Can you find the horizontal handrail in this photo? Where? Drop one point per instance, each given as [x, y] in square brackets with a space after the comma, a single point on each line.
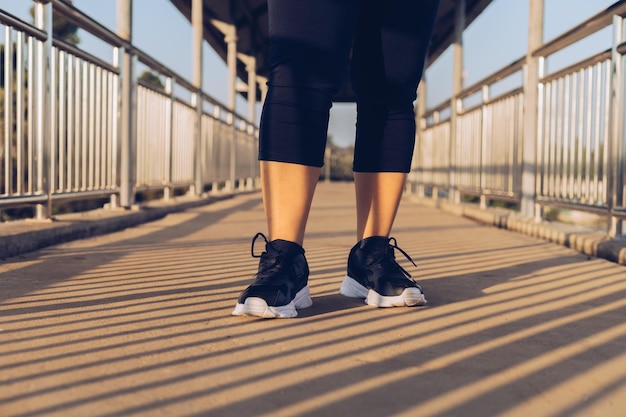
[438, 108]
[498, 75]
[510, 69]
[154, 64]
[85, 22]
[506, 95]
[492, 100]
[64, 46]
[602, 56]
[583, 30]
[17, 23]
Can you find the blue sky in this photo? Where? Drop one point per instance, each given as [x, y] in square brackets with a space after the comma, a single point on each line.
[495, 39]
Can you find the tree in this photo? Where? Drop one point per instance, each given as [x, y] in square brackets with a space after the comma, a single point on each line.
[152, 79]
[61, 27]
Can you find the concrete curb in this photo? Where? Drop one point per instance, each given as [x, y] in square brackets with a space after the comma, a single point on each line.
[588, 241]
[24, 236]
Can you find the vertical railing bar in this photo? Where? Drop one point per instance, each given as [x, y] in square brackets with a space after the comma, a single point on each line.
[71, 103]
[580, 134]
[566, 139]
[507, 184]
[52, 123]
[32, 90]
[140, 133]
[606, 134]
[586, 184]
[169, 126]
[573, 163]
[85, 127]
[92, 128]
[104, 125]
[111, 131]
[62, 120]
[97, 129]
[558, 139]
[151, 171]
[550, 142]
[519, 145]
[115, 127]
[8, 109]
[78, 124]
[540, 138]
[596, 135]
[19, 113]
[545, 130]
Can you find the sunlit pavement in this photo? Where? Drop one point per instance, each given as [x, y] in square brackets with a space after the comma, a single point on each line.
[138, 323]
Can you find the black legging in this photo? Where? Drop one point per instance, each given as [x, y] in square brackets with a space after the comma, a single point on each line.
[310, 43]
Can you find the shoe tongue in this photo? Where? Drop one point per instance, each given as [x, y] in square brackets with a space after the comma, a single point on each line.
[375, 244]
[285, 247]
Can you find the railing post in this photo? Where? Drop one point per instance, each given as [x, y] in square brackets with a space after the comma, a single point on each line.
[250, 62]
[457, 86]
[231, 41]
[127, 108]
[230, 37]
[169, 136]
[418, 154]
[529, 207]
[44, 137]
[263, 87]
[483, 147]
[616, 150]
[197, 23]
[217, 114]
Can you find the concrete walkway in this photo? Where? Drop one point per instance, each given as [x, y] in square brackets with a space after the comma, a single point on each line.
[138, 323]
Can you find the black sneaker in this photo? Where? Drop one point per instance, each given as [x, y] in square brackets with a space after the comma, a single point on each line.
[280, 285]
[375, 276]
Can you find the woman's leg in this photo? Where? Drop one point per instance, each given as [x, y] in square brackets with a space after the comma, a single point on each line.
[310, 42]
[287, 194]
[309, 48]
[390, 47]
[389, 52]
[377, 199]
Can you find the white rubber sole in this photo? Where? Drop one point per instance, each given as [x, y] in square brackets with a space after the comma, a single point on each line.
[257, 307]
[410, 296]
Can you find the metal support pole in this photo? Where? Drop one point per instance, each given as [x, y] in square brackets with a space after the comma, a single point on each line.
[457, 86]
[250, 63]
[127, 109]
[420, 125]
[230, 37]
[263, 87]
[484, 169]
[616, 150]
[169, 136]
[197, 23]
[43, 21]
[231, 41]
[529, 207]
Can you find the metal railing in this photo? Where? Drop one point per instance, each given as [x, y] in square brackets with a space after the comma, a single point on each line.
[61, 127]
[580, 137]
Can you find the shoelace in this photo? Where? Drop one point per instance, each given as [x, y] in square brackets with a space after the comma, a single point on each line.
[389, 260]
[254, 239]
[268, 262]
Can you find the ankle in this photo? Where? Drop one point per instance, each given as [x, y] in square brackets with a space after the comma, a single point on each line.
[286, 247]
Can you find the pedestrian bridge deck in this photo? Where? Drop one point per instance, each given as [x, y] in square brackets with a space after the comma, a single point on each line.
[138, 323]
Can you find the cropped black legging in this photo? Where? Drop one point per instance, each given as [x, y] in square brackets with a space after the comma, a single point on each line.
[310, 44]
